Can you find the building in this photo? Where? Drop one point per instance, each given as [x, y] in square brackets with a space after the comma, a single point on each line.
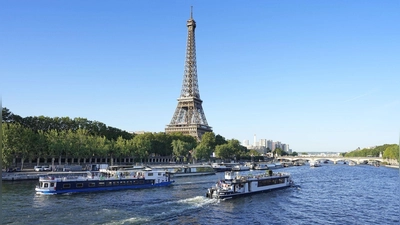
[189, 117]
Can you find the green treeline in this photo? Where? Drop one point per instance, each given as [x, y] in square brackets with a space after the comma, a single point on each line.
[61, 137]
[389, 151]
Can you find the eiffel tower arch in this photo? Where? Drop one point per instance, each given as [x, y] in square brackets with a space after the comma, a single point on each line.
[189, 117]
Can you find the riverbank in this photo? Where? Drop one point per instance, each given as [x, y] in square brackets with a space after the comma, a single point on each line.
[23, 175]
[393, 166]
[30, 174]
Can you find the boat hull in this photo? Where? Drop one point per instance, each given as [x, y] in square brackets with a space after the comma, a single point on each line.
[99, 189]
[62, 183]
[237, 195]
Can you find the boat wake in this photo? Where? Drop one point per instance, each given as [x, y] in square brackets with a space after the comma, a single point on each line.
[165, 210]
[296, 186]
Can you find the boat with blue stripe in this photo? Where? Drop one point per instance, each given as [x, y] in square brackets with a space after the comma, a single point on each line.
[108, 180]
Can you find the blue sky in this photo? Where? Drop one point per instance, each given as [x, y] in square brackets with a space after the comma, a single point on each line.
[317, 75]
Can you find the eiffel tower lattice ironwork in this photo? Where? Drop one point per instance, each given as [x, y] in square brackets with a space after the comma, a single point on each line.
[189, 117]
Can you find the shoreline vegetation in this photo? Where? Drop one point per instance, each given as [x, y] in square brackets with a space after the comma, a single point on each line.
[61, 140]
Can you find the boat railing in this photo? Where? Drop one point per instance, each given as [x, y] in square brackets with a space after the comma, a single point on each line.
[66, 178]
[257, 176]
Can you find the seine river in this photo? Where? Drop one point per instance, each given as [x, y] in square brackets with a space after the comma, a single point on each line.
[330, 194]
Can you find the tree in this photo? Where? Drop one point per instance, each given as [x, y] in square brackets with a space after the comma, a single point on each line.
[101, 146]
[391, 152]
[17, 143]
[8, 143]
[202, 151]
[55, 145]
[236, 148]
[7, 116]
[219, 140]
[162, 144]
[179, 148]
[279, 152]
[40, 146]
[208, 140]
[81, 137]
[223, 151]
[142, 146]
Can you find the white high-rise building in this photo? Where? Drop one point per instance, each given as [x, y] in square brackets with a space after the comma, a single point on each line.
[263, 142]
[255, 140]
[285, 147]
[246, 143]
[278, 144]
[269, 144]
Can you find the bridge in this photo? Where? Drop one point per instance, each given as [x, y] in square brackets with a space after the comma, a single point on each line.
[334, 159]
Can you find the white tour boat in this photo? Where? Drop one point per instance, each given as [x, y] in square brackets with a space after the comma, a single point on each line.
[186, 170]
[235, 185]
[222, 167]
[261, 167]
[241, 168]
[315, 163]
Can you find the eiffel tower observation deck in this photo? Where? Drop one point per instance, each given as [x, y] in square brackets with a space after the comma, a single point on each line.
[189, 117]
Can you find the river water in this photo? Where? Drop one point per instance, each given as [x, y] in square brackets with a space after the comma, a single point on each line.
[330, 194]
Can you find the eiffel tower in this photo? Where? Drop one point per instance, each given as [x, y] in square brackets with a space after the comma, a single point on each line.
[189, 117]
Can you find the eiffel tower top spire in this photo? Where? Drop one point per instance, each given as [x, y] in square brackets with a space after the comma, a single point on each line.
[190, 87]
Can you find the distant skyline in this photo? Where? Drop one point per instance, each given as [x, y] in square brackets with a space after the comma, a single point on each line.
[322, 76]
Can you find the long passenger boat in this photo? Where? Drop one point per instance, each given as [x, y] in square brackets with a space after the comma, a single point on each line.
[235, 185]
[222, 167]
[186, 170]
[91, 181]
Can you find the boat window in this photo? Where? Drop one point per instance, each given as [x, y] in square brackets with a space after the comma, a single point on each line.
[92, 184]
[51, 184]
[101, 183]
[46, 185]
[116, 183]
[66, 185]
[159, 174]
[109, 183]
[141, 182]
[150, 174]
[79, 185]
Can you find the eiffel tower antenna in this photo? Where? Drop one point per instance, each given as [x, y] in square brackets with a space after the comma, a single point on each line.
[189, 117]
